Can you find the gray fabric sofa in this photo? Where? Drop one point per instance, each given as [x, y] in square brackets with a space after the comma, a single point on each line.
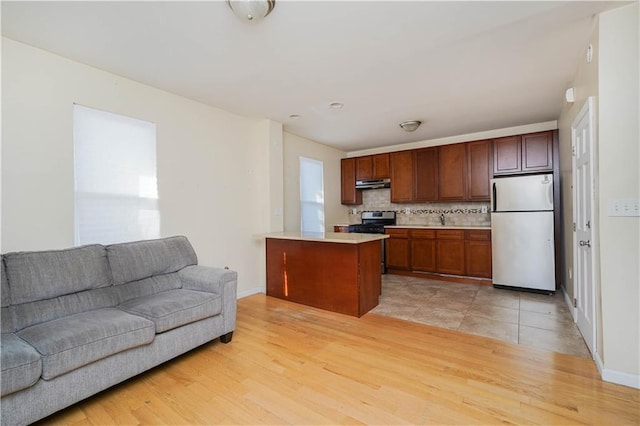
[77, 321]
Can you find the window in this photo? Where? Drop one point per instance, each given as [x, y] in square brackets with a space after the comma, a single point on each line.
[116, 195]
[311, 195]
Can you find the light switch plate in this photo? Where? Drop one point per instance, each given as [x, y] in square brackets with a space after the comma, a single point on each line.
[624, 207]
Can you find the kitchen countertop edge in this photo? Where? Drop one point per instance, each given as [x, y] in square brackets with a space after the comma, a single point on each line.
[328, 237]
[479, 228]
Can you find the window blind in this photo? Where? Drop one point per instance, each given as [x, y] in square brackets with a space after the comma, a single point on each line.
[116, 195]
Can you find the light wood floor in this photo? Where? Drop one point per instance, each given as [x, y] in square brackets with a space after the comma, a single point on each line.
[290, 364]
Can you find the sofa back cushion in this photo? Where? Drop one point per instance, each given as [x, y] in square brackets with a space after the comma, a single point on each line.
[142, 259]
[6, 317]
[41, 275]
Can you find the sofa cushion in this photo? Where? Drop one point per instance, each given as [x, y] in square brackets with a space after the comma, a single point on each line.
[47, 274]
[143, 259]
[147, 287]
[21, 364]
[71, 342]
[173, 308]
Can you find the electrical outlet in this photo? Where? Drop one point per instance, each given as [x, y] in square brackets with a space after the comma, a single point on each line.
[407, 210]
[624, 207]
[483, 209]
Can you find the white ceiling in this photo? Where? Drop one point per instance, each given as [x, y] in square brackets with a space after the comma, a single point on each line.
[460, 67]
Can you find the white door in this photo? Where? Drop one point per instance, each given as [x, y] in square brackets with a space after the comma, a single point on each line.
[582, 131]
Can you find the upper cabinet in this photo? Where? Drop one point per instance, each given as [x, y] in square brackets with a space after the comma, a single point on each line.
[349, 194]
[464, 171]
[478, 170]
[452, 176]
[372, 167]
[528, 153]
[426, 174]
[402, 176]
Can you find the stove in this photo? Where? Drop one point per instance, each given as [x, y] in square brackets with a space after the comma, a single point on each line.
[373, 223]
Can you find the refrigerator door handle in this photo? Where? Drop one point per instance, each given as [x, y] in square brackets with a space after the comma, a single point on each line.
[494, 198]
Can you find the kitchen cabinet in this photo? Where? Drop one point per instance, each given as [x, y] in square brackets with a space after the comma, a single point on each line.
[461, 252]
[426, 174]
[397, 249]
[349, 194]
[477, 253]
[530, 153]
[423, 250]
[402, 176]
[372, 167]
[452, 164]
[478, 171]
[450, 252]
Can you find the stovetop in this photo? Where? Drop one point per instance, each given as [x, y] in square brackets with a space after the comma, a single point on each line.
[373, 222]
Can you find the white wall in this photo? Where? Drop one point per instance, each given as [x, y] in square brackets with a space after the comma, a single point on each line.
[213, 181]
[294, 148]
[619, 156]
[585, 84]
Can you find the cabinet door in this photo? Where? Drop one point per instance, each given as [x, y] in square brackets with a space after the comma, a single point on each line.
[402, 173]
[397, 248]
[381, 166]
[426, 170]
[450, 251]
[423, 250]
[364, 167]
[478, 170]
[507, 155]
[452, 172]
[477, 256]
[349, 194]
[537, 152]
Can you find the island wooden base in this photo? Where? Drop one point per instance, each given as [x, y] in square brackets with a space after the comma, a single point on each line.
[338, 277]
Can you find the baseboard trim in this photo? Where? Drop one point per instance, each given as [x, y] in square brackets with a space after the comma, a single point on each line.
[572, 309]
[250, 292]
[617, 377]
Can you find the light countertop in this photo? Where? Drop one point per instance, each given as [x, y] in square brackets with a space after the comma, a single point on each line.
[484, 228]
[328, 237]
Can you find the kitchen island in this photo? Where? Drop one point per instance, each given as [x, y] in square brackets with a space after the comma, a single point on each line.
[338, 272]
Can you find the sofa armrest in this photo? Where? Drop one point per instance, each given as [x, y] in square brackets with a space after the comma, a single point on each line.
[214, 280]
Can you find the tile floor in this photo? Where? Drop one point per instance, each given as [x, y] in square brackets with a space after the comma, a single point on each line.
[531, 319]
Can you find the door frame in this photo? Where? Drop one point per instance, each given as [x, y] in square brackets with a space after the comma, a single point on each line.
[589, 108]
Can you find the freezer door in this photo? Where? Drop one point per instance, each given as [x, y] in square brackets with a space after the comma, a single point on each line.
[522, 193]
[523, 250]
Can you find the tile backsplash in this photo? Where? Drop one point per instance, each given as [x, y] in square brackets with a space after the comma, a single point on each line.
[456, 214]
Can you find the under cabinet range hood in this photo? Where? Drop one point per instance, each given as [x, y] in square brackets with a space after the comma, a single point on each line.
[373, 184]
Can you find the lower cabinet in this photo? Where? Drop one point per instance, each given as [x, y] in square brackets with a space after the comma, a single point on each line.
[397, 253]
[450, 252]
[443, 251]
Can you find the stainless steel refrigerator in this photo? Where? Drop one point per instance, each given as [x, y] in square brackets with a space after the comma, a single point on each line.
[522, 234]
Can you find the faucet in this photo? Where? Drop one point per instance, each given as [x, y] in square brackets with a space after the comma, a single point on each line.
[441, 218]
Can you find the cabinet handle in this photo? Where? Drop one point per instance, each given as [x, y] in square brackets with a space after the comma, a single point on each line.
[585, 243]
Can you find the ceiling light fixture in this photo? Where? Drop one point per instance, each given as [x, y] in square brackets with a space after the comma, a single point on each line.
[295, 116]
[336, 105]
[410, 125]
[251, 10]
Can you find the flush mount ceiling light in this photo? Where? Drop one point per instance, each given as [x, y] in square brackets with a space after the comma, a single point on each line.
[410, 125]
[336, 105]
[295, 116]
[251, 10]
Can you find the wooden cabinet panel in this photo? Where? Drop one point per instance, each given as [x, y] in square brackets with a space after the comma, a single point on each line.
[528, 153]
[364, 167]
[452, 177]
[397, 254]
[450, 234]
[478, 258]
[537, 152]
[349, 194]
[402, 173]
[426, 171]
[423, 250]
[381, 167]
[478, 170]
[478, 235]
[450, 256]
[507, 155]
